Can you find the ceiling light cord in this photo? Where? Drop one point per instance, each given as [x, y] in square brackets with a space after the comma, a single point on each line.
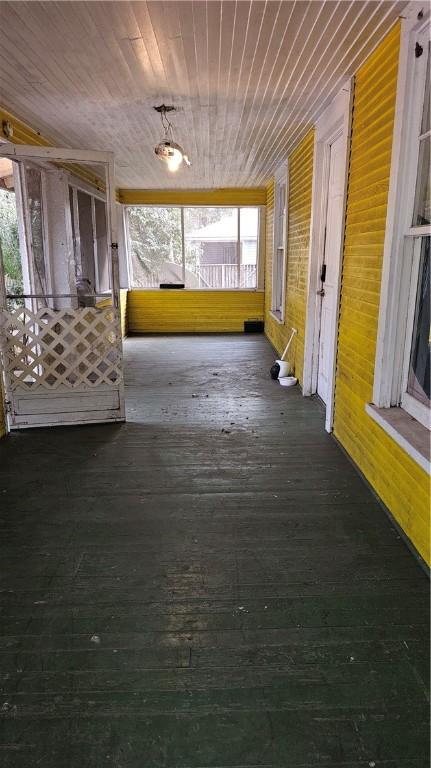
[168, 150]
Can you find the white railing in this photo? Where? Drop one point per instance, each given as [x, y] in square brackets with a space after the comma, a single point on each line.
[219, 276]
[226, 276]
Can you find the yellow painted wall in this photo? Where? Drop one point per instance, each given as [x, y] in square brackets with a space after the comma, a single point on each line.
[123, 308]
[181, 311]
[401, 484]
[226, 196]
[298, 243]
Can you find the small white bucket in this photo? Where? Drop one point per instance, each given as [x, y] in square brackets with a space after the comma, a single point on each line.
[284, 368]
[287, 381]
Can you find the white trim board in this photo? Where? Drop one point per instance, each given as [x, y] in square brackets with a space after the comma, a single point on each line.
[408, 433]
[397, 263]
[335, 122]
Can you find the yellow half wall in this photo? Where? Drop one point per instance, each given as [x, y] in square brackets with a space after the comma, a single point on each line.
[399, 481]
[226, 196]
[182, 311]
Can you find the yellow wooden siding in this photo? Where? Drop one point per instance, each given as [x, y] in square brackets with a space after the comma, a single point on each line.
[298, 244]
[123, 310]
[227, 196]
[399, 481]
[178, 311]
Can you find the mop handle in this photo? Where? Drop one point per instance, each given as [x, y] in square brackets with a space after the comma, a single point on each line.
[288, 343]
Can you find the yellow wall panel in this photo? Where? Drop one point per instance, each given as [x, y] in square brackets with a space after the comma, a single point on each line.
[298, 244]
[123, 310]
[180, 311]
[227, 196]
[399, 481]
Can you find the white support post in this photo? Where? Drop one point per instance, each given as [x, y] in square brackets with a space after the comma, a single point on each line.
[238, 247]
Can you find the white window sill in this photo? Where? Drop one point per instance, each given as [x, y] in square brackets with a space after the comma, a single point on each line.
[277, 316]
[410, 435]
[200, 290]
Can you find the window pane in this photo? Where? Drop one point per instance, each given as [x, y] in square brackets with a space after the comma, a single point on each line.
[9, 241]
[34, 199]
[418, 384]
[249, 233]
[278, 279]
[155, 246]
[211, 247]
[102, 247]
[426, 111]
[422, 197]
[422, 211]
[280, 212]
[85, 268]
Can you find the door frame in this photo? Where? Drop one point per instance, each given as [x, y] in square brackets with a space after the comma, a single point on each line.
[335, 122]
[60, 156]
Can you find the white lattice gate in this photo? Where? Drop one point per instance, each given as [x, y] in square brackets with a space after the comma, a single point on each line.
[61, 353]
[62, 366]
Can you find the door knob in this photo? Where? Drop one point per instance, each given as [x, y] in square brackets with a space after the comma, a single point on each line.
[321, 292]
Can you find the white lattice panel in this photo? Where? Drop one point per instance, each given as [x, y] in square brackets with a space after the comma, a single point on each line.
[70, 347]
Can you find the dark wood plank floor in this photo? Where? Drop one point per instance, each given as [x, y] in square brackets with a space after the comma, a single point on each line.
[210, 585]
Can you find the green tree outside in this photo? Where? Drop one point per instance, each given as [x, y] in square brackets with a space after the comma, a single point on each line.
[9, 242]
[155, 239]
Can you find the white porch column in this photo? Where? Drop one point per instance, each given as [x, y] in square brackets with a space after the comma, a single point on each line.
[60, 256]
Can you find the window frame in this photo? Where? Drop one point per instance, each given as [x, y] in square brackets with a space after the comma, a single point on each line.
[260, 243]
[94, 194]
[400, 267]
[279, 273]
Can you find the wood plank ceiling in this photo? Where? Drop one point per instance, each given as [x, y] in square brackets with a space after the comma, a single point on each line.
[249, 78]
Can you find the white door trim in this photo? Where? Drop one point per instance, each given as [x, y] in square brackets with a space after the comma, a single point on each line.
[335, 122]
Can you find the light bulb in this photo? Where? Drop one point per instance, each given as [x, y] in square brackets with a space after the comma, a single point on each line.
[174, 162]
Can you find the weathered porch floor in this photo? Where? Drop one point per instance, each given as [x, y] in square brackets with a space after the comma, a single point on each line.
[179, 596]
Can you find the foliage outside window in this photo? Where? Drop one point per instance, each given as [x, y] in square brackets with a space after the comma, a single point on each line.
[9, 242]
[213, 248]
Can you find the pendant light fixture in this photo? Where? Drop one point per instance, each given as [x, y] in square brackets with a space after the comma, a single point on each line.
[168, 150]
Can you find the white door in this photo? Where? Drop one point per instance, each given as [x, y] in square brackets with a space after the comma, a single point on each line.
[60, 340]
[330, 265]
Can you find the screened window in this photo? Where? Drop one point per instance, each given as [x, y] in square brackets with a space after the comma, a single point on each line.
[155, 241]
[89, 233]
[402, 370]
[279, 255]
[200, 247]
[418, 374]
[33, 180]
[9, 239]
[415, 397]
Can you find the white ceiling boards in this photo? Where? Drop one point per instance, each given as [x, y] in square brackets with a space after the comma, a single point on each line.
[248, 78]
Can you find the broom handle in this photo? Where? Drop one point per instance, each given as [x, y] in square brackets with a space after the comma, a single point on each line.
[288, 343]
